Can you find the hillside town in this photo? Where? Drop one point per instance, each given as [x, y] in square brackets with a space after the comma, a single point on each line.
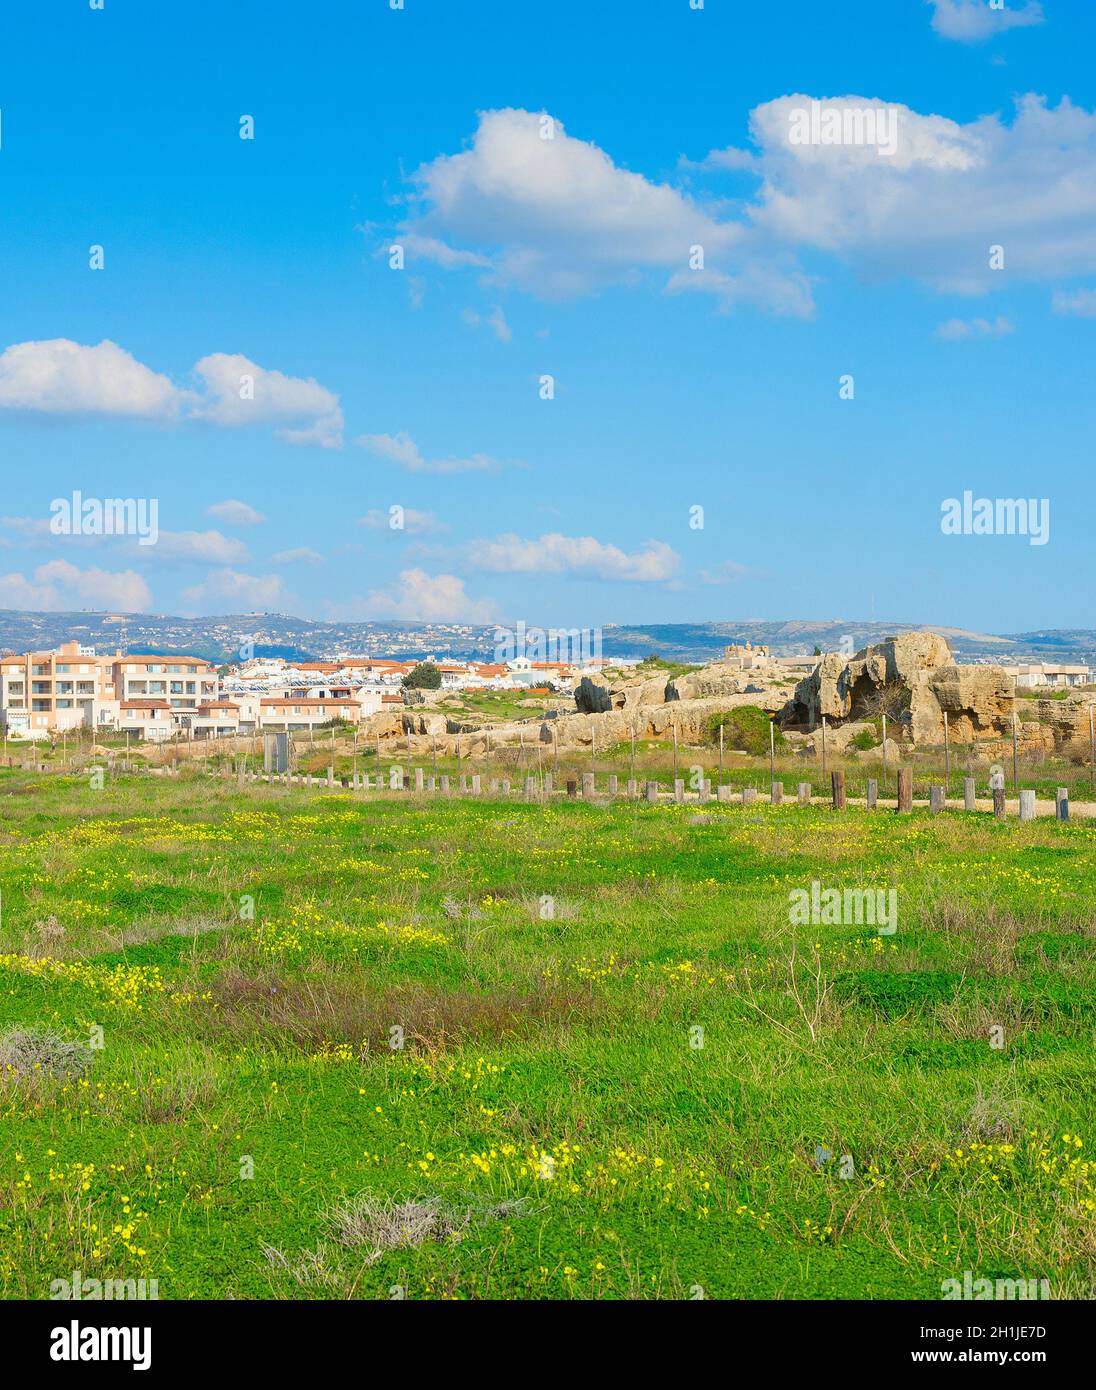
[158, 697]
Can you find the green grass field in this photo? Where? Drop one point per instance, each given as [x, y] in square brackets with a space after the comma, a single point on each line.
[624, 1071]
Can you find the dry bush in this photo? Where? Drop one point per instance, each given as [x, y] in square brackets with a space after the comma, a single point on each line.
[992, 1119]
[387, 1224]
[28, 1052]
[335, 1008]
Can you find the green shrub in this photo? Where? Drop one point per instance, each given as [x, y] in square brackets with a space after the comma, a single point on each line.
[425, 676]
[745, 728]
[864, 740]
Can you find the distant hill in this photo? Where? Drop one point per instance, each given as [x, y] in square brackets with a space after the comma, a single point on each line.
[223, 639]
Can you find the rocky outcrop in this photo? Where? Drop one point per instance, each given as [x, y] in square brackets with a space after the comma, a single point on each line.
[711, 681]
[913, 679]
[617, 692]
[978, 701]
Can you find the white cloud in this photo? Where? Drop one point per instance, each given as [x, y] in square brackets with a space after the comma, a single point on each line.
[955, 330]
[300, 555]
[580, 555]
[59, 586]
[949, 192]
[766, 286]
[972, 21]
[422, 597]
[236, 513]
[730, 159]
[1080, 303]
[401, 448]
[561, 216]
[228, 590]
[495, 320]
[197, 547]
[202, 547]
[726, 572]
[60, 377]
[238, 393]
[414, 522]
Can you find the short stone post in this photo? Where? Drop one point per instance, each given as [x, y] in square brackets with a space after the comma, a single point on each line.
[612, 784]
[445, 784]
[749, 796]
[587, 786]
[723, 791]
[804, 793]
[475, 784]
[633, 789]
[776, 795]
[905, 789]
[936, 799]
[873, 793]
[431, 784]
[705, 790]
[652, 791]
[1027, 805]
[679, 790]
[464, 781]
[968, 793]
[420, 781]
[572, 788]
[837, 782]
[547, 784]
[530, 788]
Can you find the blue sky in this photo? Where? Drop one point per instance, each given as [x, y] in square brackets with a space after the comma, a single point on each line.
[674, 388]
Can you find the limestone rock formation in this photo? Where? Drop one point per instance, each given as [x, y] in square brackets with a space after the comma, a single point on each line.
[913, 679]
[618, 692]
[716, 679]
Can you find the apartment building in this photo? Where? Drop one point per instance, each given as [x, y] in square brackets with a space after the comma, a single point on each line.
[297, 712]
[74, 687]
[1049, 673]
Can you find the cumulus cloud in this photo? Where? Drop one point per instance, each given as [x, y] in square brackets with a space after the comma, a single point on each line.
[229, 590]
[972, 21]
[554, 216]
[401, 449]
[578, 555]
[199, 547]
[422, 597]
[238, 393]
[59, 587]
[183, 547]
[558, 218]
[956, 330]
[414, 522]
[59, 377]
[948, 193]
[236, 513]
[1080, 303]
